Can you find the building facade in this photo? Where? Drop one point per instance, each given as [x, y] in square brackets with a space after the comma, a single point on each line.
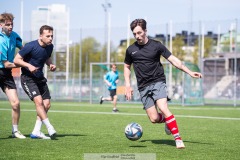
[55, 15]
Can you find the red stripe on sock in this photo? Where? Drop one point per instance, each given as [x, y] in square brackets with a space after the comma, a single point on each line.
[173, 127]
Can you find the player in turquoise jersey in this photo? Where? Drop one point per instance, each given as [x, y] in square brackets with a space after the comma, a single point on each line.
[9, 40]
[111, 79]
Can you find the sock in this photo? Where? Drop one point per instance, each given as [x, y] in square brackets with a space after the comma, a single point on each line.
[14, 128]
[161, 118]
[37, 126]
[47, 123]
[172, 125]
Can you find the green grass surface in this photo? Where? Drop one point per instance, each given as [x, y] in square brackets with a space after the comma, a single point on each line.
[208, 132]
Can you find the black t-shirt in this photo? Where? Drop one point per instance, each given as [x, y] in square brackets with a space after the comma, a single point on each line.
[36, 55]
[146, 62]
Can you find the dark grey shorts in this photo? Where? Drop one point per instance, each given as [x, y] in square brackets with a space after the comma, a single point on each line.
[152, 93]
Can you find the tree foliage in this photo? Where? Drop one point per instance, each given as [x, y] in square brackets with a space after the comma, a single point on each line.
[177, 50]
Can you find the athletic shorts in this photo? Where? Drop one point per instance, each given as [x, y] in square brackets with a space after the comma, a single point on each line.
[6, 79]
[150, 94]
[34, 87]
[113, 92]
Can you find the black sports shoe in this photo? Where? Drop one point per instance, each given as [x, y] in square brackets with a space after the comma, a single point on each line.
[115, 110]
[101, 100]
[52, 133]
[53, 136]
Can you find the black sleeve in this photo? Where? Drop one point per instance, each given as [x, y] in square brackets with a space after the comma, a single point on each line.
[128, 58]
[164, 51]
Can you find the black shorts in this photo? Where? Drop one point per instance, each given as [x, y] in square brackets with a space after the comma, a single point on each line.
[6, 79]
[113, 92]
[35, 87]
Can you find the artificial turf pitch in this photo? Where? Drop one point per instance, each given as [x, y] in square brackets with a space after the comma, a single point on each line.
[209, 132]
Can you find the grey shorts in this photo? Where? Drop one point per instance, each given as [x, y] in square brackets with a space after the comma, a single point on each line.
[152, 93]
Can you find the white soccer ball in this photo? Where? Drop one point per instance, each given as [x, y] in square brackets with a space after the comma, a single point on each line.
[133, 131]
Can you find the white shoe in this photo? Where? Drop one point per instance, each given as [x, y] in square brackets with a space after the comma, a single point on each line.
[179, 144]
[18, 134]
[39, 135]
[52, 133]
[167, 131]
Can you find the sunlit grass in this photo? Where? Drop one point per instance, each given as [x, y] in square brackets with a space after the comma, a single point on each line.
[93, 128]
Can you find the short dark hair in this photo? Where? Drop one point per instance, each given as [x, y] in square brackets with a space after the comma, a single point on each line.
[138, 22]
[45, 27]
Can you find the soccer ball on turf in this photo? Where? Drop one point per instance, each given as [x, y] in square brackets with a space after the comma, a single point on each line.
[133, 131]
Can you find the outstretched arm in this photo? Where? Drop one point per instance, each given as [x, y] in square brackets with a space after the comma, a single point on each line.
[177, 63]
[127, 73]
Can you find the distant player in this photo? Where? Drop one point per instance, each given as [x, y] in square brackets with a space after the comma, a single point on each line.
[9, 40]
[145, 55]
[111, 79]
[32, 58]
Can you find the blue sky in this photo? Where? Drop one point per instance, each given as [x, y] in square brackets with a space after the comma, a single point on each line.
[90, 13]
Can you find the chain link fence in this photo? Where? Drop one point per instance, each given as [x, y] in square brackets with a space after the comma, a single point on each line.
[71, 81]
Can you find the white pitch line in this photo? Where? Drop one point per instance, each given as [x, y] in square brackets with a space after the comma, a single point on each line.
[129, 114]
[140, 106]
[207, 117]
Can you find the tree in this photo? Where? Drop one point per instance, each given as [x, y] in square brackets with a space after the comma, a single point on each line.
[90, 53]
[208, 44]
[178, 44]
[122, 50]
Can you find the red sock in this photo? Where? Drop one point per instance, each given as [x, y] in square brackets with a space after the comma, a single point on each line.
[172, 125]
[161, 118]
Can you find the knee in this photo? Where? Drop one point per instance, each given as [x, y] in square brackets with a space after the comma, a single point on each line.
[47, 106]
[15, 105]
[38, 104]
[154, 119]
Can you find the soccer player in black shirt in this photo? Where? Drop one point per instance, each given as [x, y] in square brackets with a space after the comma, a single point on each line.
[32, 58]
[145, 55]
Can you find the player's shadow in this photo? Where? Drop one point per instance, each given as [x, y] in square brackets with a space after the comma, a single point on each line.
[58, 136]
[64, 135]
[172, 142]
[198, 142]
[70, 135]
[166, 142]
[138, 146]
[6, 138]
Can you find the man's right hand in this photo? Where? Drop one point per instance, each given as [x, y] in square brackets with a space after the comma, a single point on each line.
[128, 92]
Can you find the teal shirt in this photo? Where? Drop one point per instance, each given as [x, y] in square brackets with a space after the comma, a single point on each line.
[111, 77]
[8, 45]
